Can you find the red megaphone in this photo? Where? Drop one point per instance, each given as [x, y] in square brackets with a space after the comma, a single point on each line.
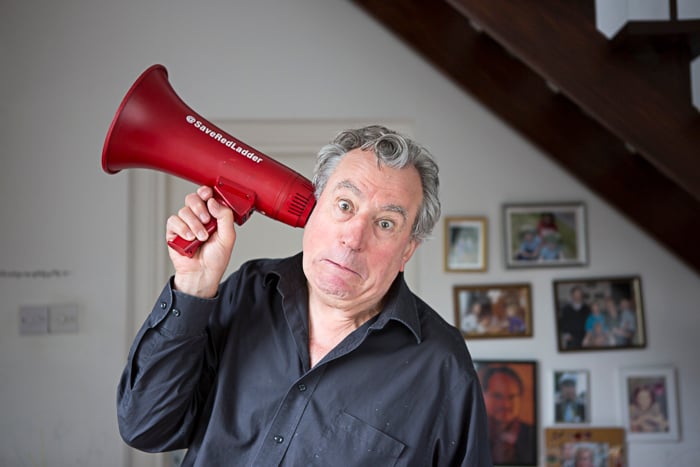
[154, 129]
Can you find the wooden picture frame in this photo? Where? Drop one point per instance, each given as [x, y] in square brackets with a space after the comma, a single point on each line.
[466, 244]
[571, 396]
[493, 311]
[545, 235]
[599, 313]
[510, 395]
[649, 403]
[599, 446]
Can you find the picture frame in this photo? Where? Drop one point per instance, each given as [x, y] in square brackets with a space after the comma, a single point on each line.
[493, 310]
[510, 395]
[571, 396]
[649, 403]
[599, 313]
[600, 446]
[466, 244]
[545, 235]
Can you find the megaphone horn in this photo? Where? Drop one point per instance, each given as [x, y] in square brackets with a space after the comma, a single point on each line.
[153, 128]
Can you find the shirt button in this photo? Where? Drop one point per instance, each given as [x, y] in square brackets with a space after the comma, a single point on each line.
[302, 387]
[176, 312]
[163, 305]
[278, 439]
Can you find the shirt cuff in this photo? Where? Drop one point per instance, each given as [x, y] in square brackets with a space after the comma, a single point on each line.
[181, 314]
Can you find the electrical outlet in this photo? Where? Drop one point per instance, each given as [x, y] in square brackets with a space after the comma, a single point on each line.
[63, 318]
[33, 319]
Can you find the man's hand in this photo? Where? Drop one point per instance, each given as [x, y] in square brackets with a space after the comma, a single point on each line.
[201, 274]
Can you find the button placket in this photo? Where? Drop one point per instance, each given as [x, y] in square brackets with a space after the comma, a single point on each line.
[288, 417]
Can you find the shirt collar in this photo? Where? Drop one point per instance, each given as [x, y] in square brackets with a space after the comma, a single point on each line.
[400, 304]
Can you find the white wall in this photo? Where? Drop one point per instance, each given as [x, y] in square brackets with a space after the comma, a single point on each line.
[64, 68]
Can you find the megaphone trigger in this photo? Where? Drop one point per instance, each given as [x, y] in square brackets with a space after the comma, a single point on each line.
[240, 199]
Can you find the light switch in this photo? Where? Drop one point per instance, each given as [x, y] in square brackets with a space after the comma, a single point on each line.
[33, 319]
[63, 318]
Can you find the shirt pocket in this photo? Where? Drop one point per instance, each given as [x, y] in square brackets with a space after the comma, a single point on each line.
[350, 441]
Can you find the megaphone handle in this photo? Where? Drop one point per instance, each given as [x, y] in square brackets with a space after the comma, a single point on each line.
[188, 248]
[238, 198]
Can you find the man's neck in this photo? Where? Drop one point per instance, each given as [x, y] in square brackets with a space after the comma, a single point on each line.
[328, 326]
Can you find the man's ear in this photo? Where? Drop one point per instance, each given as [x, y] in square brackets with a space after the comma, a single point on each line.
[408, 252]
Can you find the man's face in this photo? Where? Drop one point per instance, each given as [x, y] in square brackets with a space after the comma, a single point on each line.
[358, 237]
[584, 458]
[577, 295]
[502, 398]
[568, 391]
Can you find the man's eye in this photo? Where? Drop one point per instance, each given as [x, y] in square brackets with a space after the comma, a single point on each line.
[344, 206]
[385, 224]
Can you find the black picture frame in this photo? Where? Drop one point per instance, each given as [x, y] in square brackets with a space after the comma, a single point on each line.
[608, 313]
[510, 394]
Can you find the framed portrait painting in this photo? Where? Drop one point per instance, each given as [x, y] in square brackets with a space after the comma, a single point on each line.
[510, 395]
[649, 404]
[465, 244]
[571, 447]
[545, 235]
[497, 310]
[571, 396]
[602, 313]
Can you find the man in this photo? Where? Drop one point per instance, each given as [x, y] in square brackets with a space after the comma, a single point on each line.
[325, 358]
[512, 441]
[568, 408]
[572, 321]
[585, 457]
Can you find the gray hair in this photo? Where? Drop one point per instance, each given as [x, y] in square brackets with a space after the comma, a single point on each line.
[393, 150]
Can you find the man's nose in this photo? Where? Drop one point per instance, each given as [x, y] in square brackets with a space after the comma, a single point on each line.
[354, 232]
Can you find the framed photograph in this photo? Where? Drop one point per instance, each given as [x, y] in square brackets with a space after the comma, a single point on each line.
[499, 310]
[571, 447]
[599, 313]
[510, 394]
[465, 244]
[571, 396]
[649, 404]
[545, 235]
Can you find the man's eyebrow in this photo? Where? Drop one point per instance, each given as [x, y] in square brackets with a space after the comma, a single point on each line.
[397, 209]
[347, 184]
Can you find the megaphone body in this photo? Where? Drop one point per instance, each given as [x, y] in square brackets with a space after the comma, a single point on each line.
[154, 129]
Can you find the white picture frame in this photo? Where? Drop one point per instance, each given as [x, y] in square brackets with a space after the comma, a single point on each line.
[466, 244]
[649, 403]
[562, 382]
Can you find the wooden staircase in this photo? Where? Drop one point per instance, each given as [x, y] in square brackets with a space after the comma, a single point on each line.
[615, 113]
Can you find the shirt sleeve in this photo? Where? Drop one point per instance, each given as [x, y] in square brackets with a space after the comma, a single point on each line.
[168, 373]
[462, 433]
[478, 451]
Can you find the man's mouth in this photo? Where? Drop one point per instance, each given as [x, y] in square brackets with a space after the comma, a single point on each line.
[343, 267]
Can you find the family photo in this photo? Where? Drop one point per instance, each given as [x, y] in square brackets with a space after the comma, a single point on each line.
[546, 235]
[493, 310]
[585, 447]
[599, 314]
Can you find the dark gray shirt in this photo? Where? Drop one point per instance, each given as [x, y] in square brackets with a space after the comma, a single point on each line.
[229, 379]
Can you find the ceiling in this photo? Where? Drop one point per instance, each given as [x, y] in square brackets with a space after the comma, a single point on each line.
[616, 113]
